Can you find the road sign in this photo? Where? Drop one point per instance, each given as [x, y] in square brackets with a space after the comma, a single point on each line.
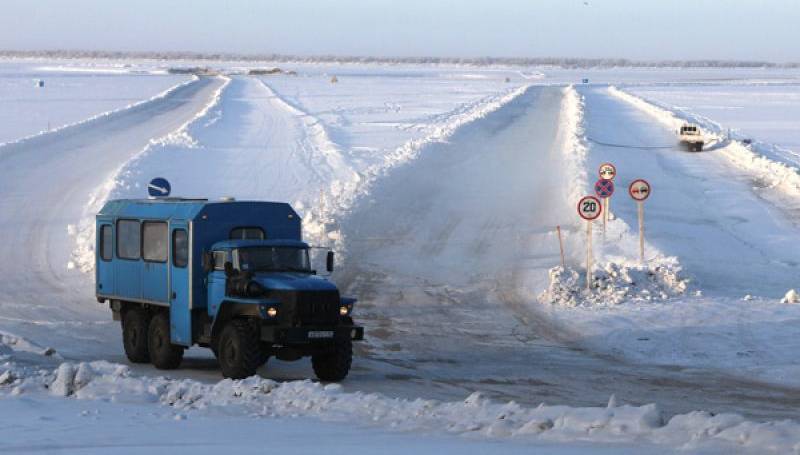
[639, 189]
[589, 208]
[604, 188]
[607, 171]
[158, 187]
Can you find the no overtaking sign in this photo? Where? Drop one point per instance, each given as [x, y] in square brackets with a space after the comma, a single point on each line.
[639, 189]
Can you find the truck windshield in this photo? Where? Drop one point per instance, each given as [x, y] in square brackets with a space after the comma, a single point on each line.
[273, 259]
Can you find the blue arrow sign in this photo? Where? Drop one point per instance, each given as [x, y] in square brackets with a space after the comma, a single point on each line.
[158, 187]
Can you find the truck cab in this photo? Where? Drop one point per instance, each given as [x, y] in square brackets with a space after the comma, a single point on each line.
[235, 277]
[691, 137]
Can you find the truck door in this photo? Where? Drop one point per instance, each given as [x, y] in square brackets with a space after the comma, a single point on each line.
[105, 259]
[154, 254]
[180, 284]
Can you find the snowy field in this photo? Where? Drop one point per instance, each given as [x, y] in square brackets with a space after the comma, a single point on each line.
[441, 187]
[67, 96]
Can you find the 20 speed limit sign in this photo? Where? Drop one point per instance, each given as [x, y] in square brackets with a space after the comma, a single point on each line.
[589, 208]
[607, 171]
[639, 190]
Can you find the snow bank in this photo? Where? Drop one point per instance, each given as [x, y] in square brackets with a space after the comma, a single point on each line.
[336, 203]
[763, 162]
[572, 135]
[614, 284]
[475, 416]
[84, 231]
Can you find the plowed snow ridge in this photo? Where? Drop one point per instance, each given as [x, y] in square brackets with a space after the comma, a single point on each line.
[474, 416]
[84, 232]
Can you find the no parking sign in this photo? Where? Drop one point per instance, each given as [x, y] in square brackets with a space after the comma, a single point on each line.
[604, 188]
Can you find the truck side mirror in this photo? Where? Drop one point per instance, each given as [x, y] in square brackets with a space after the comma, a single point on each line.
[228, 268]
[208, 261]
[329, 262]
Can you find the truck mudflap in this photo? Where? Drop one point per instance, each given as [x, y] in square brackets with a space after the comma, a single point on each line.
[307, 335]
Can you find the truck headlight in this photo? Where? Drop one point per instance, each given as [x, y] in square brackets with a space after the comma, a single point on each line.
[272, 311]
[344, 310]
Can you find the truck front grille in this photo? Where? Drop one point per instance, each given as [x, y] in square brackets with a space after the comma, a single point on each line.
[300, 308]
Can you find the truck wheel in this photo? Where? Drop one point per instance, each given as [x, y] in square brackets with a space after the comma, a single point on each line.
[239, 349]
[163, 354]
[333, 366]
[134, 335]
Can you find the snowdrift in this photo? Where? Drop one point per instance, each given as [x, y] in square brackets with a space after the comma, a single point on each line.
[475, 416]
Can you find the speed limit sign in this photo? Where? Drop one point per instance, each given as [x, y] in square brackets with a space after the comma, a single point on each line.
[607, 171]
[589, 208]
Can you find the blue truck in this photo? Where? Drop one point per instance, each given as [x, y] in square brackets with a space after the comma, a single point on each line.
[234, 276]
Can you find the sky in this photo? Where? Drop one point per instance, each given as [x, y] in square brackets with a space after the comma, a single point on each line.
[636, 29]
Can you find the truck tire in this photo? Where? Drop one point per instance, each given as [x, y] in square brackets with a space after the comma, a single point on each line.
[333, 366]
[135, 324]
[163, 354]
[239, 349]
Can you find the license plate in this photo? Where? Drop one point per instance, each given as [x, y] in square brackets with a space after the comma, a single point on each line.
[320, 334]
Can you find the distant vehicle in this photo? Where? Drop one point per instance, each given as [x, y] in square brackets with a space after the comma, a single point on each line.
[691, 137]
[585, 80]
[232, 276]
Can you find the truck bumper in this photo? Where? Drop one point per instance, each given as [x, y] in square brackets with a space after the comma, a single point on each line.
[309, 335]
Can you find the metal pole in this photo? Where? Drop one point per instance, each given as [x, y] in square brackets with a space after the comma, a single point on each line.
[561, 246]
[641, 230]
[589, 255]
[605, 216]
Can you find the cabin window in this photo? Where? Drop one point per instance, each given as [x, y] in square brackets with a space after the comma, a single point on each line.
[220, 257]
[154, 241]
[247, 233]
[129, 244]
[106, 247]
[180, 248]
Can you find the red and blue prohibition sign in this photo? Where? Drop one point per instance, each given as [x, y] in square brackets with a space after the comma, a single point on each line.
[604, 188]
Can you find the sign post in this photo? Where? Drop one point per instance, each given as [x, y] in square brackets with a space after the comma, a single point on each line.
[158, 187]
[589, 208]
[607, 171]
[639, 191]
[561, 247]
[604, 190]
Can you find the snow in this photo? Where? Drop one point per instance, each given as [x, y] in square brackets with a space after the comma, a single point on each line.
[83, 232]
[67, 98]
[444, 187]
[475, 417]
[750, 336]
[768, 112]
[250, 129]
[614, 284]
